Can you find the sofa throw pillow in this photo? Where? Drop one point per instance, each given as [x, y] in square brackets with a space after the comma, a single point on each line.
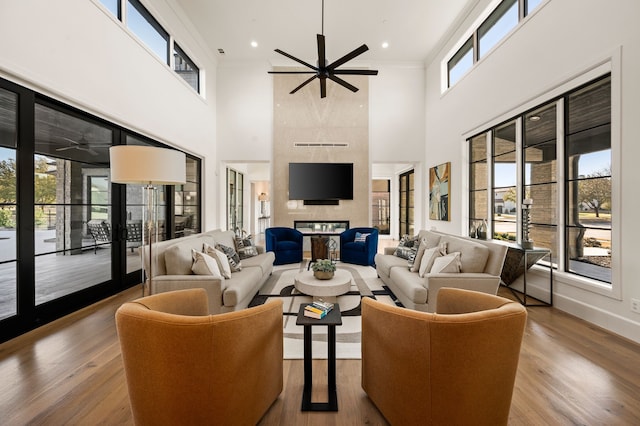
[414, 263]
[360, 238]
[203, 264]
[234, 258]
[220, 257]
[243, 241]
[428, 257]
[447, 264]
[406, 247]
[247, 252]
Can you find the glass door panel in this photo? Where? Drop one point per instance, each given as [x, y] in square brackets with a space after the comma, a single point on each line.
[72, 248]
[8, 204]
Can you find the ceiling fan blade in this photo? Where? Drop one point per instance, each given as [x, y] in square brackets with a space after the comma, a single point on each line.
[65, 148]
[355, 72]
[323, 87]
[296, 59]
[291, 72]
[322, 60]
[302, 85]
[343, 83]
[71, 140]
[349, 56]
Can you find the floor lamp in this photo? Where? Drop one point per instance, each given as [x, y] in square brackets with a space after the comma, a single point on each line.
[148, 166]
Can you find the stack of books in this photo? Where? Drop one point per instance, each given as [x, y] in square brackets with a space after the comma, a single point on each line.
[318, 310]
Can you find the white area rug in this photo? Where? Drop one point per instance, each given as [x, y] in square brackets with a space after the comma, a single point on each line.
[364, 283]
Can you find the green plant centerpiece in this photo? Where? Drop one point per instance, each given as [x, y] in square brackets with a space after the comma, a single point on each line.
[323, 269]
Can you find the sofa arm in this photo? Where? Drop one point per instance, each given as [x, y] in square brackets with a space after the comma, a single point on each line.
[214, 287]
[389, 250]
[484, 283]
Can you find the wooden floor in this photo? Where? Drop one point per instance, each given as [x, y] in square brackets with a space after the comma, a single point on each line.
[70, 372]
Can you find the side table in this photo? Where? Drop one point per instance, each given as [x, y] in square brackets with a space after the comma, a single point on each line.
[517, 263]
[331, 320]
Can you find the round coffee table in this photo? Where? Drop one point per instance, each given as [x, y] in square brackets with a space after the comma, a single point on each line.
[326, 290]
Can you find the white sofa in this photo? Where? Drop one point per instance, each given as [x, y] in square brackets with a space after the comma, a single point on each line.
[481, 265]
[172, 271]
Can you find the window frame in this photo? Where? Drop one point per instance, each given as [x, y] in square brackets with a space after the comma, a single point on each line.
[608, 65]
[180, 52]
[155, 25]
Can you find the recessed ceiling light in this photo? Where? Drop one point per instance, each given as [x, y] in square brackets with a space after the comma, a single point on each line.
[254, 43]
[385, 44]
[534, 118]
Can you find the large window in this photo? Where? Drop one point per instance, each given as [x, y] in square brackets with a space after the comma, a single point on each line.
[524, 165]
[74, 232]
[588, 184]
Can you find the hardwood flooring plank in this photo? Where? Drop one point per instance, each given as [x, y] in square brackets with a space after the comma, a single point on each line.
[70, 372]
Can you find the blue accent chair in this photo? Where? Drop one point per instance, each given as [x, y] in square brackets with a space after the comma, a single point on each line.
[359, 253]
[285, 243]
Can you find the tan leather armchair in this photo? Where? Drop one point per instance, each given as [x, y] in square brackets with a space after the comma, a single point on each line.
[453, 367]
[184, 366]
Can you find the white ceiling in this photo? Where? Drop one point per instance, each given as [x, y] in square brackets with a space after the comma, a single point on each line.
[413, 28]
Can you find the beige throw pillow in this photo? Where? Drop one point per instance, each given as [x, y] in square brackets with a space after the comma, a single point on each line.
[449, 264]
[428, 257]
[203, 264]
[221, 258]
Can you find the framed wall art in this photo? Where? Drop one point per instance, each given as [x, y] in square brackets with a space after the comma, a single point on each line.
[440, 192]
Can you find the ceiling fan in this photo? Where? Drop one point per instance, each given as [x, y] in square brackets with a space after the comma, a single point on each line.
[82, 144]
[326, 71]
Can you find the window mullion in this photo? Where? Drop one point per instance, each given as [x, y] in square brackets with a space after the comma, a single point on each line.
[476, 52]
[519, 178]
[490, 192]
[561, 185]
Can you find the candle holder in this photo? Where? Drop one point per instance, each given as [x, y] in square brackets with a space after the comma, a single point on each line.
[527, 243]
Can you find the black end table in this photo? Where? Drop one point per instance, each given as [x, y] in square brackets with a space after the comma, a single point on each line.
[331, 320]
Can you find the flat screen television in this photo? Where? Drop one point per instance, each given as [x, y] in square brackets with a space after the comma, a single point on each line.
[320, 181]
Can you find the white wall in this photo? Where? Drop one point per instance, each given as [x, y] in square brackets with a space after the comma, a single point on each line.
[396, 113]
[559, 44]
[78, 53]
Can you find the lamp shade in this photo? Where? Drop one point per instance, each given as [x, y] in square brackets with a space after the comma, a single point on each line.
[143, 165]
